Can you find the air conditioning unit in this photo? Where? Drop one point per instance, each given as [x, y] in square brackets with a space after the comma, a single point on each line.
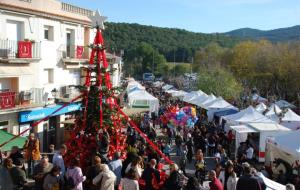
[25, 95]
[65, 90]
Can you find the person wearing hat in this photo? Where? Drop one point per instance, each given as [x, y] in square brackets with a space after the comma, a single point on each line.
[18, 175]
[31, 152]
[247, 181]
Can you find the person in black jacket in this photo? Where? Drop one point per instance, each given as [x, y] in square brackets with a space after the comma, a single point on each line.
[149, 173]
[173, 182]
[15, 154]
[247, 181]
[18, 175]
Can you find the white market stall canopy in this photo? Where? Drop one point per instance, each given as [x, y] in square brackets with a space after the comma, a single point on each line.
[285, 104]
[291, 120]
[290, 116]
[167, 87]
[247, 115]
[218, 104]
[268, 127]
[134, 85]
[192, 95]
[284, 146]
[177, 93]
[142, 99]
[243, 129]
[270, 184]
[261, 107]
[273, 112]
[198, 99]
[258, 99]
[207, 100]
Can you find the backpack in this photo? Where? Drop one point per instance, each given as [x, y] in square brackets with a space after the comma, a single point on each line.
[70, 184]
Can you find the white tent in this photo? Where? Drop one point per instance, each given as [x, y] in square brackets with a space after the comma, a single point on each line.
[158, 84]
[258, 99]
[246, 116]
[270, 184]
[167, 87]
[285, 104]
[284, 146]
[179, 94]
[291, 120]
[216, 105]
[142, 99]
[262, 130]
[192, 95]
[261, 107]
[134, 85]
[209, 99]
[273, 112]
[197, 99]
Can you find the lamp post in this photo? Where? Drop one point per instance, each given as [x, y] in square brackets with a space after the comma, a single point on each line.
[54, 93]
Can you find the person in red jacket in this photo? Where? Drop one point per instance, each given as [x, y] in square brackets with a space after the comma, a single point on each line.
[215, 183]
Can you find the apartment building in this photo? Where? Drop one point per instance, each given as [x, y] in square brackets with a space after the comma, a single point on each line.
[43, 46]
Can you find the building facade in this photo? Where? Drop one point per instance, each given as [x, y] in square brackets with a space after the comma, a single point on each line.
[43, 47]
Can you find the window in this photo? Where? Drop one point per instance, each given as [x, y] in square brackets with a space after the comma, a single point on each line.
[48, 76]
[48, 33]
[4, 125]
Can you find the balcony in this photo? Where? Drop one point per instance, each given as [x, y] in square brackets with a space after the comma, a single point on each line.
[11, 101]
[19, 51]
[74, 56]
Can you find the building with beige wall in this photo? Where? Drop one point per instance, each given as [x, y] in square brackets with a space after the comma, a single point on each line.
[57, 35]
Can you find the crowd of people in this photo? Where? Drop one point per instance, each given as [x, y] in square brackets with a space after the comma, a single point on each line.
[143, 168]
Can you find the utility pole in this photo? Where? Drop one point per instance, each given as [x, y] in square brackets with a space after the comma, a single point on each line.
[153, 62]
[174, 63]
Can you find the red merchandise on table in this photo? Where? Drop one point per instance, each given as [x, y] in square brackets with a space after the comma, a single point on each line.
[24, 49]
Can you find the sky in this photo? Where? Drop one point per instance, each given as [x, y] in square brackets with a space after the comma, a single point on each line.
[207, 16]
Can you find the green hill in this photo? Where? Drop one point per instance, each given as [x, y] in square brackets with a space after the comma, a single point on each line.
[276, 35]
[168, 41]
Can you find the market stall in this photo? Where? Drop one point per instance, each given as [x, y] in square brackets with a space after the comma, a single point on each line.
[256, 134]
[291, 120]
[142, 99]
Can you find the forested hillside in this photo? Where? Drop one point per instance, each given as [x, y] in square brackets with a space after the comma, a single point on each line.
[124, 36]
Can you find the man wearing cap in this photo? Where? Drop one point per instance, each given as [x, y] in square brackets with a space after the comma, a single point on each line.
[40, 170]
[247, 181]
[18, 175]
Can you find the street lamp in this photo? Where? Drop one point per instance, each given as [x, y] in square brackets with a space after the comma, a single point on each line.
[54, 93]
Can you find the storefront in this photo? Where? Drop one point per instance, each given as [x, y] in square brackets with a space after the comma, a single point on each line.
[49, 131]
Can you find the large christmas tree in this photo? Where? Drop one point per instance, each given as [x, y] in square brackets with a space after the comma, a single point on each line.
[98, 130]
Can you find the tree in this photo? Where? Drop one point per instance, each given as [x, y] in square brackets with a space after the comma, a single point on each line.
[220, 82]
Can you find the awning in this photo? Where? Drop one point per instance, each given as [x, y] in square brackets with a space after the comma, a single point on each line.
[5, 136]
[225, 112]
[243, 129]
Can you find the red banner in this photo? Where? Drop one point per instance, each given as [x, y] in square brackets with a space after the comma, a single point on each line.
[79, 52]
[24, 49]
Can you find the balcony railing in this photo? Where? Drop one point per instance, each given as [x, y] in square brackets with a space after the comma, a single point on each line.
[7, 100]
[74, 52]
[31, 98]
[10, 49]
